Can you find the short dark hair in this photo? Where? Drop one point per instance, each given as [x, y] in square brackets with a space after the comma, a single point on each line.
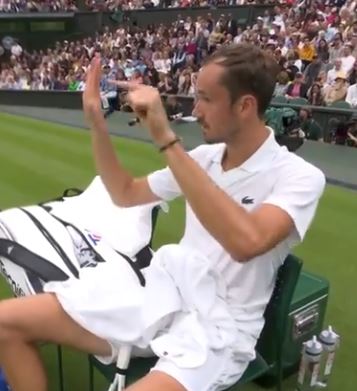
[248, 70]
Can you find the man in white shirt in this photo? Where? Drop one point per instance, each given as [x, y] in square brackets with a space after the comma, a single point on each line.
[351, 96]
[248, 203]
[331, 74]
[347, 59]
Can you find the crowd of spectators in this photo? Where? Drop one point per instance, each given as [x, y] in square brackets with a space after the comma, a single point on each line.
[314, 43]
[12, 6]
[112, 5]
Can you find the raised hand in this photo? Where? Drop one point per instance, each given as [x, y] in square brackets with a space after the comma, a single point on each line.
[91, 95]
[147, 105]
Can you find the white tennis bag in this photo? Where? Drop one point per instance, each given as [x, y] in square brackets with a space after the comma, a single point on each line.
[54, 240]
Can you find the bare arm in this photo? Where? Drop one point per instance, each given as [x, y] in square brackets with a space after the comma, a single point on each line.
[242, 234]
[124, 189]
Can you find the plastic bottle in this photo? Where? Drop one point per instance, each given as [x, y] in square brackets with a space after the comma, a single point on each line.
[308, 376]
[330, 342]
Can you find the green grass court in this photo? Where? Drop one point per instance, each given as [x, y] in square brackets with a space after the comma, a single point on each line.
[39, 159]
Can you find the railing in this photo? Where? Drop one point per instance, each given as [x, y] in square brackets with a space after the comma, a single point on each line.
[73, 100]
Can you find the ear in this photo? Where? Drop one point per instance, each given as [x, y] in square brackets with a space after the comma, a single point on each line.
[245, 105]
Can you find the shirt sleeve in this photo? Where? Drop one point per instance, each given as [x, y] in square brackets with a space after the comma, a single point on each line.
[163, 183]
[298, 193]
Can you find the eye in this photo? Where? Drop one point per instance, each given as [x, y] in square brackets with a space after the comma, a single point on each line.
[202, 98]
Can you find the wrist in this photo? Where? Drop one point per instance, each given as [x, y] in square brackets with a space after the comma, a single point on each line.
[165, 138]
[170, 144]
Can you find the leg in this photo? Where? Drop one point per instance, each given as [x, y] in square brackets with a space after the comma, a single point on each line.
[221, 370]
[158, 381]
[28, 320]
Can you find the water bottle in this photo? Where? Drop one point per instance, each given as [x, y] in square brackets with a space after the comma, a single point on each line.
[308, 376]
[330, 342]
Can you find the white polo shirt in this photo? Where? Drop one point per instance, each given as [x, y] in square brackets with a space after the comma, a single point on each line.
[272, 175]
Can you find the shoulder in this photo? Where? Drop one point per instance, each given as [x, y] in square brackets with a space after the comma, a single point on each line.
[292, 168]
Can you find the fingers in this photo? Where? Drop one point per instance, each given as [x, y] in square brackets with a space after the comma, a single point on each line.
[126, 85]
[93, 76]
[96, 71]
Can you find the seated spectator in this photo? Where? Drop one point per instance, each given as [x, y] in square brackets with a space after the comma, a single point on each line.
[315, 96]
[184, 86]
[323, 51]
[352, 75]
[351, 96]
[73, 83]
[347, 59]
[293, 65]
[282, 84]
[336, 48]
[166, 84]
[309, 126]
[161, 64]
[173, 107]
[108, 90]
[331, 74]
[306, 52]
[297, 89]
[338, 91]
[321, 80]
[312, 71]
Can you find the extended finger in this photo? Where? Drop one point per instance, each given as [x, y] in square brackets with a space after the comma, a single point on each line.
[138, 106]
[126, 85]
[96, 71]
[89, 78]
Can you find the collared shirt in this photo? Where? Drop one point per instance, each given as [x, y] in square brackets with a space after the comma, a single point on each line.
[105, 85]
[272, 175]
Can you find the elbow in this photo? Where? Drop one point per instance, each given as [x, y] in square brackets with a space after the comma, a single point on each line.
[121, 196]
[245, 249]
[121, 202]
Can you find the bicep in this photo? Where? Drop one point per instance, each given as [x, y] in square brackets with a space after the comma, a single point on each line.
[273, 224]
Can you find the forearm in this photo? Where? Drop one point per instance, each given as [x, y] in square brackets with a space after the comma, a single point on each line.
[230, 224]
[115, 178]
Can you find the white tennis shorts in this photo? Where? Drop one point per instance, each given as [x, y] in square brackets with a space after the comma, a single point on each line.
[202, 354]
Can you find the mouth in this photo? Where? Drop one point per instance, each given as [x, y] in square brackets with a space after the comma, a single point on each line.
[204, 126]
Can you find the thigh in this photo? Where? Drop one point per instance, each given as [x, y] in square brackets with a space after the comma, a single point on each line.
[158, 381]
[41, 318]
[219, 372]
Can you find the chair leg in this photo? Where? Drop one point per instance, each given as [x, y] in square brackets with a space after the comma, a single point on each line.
[91, 374]
[60, 368]
[279, 375]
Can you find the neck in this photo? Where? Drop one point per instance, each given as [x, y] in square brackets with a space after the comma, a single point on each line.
[244, 144]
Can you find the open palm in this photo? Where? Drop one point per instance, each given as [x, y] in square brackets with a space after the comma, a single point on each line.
[91, 95]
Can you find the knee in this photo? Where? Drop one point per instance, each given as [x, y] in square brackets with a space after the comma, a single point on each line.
[9, 329]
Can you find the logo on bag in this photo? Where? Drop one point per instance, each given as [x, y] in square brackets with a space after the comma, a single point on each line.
[95, 238]
[18, 291]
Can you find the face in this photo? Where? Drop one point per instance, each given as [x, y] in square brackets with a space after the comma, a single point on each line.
[303, 115]
[346, 51]
[221, 120]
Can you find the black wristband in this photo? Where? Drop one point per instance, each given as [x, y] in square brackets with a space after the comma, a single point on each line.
[170, 144]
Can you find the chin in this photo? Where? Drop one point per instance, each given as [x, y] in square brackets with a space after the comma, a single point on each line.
[212, 140]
